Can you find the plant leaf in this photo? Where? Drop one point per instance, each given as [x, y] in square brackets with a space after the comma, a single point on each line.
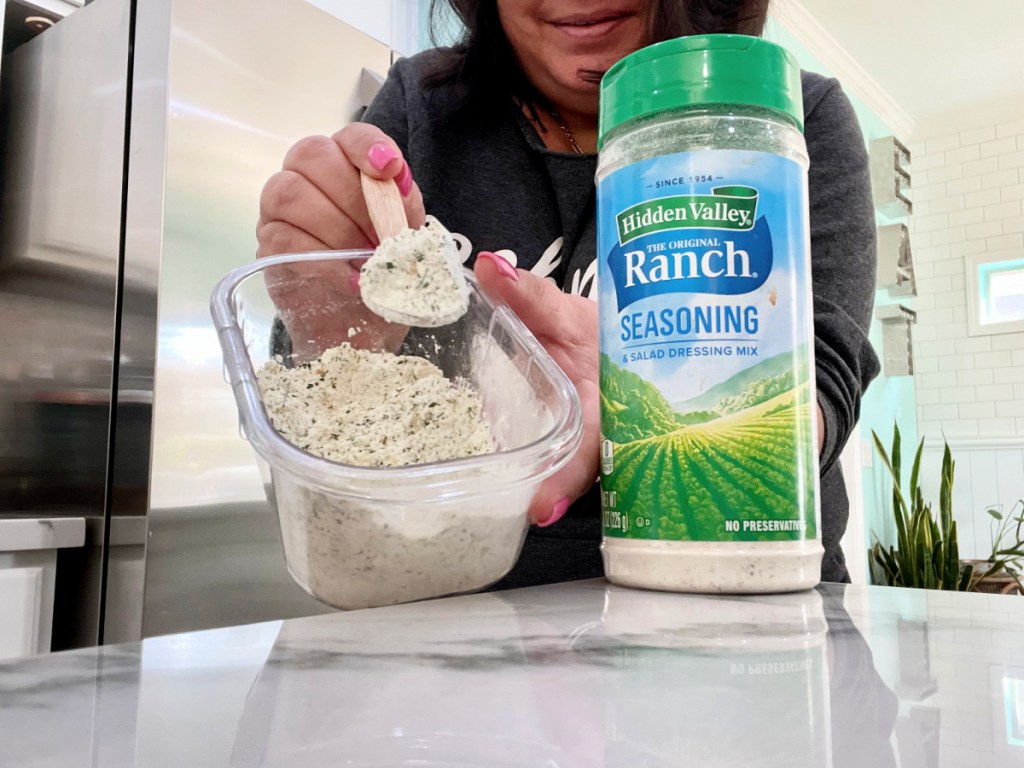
[888, 561]
[967, 580]
[939, 565]
[880, 449]
[915, 470]
[895, 456]
[887, 571]
[946, 489]
[899, 510]
[953, 553]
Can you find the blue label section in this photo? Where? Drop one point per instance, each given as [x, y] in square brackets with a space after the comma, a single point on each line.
[691, 261]
[702, 269]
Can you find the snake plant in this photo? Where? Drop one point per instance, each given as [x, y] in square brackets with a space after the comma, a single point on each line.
[926, 554]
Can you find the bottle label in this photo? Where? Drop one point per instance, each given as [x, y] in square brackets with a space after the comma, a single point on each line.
[707, 391]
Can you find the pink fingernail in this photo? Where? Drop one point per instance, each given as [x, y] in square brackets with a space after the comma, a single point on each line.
[503, 267]
[381, 154]
[404, 180]
[557, 513]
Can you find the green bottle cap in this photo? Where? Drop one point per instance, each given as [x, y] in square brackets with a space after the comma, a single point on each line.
[701, 71]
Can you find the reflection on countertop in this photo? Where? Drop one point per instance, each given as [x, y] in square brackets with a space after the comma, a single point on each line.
[580, 674]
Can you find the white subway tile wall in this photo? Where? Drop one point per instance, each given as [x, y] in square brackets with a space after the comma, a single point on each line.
[1010, 129]
[992, 148]
[968, 191]
[1012, 192]
[977, 168]
[1004, 242]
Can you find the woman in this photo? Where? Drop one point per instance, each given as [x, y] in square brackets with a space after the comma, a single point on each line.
[496, 137]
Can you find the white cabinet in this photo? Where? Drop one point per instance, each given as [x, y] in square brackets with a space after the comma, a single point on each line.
[28, 571]
[21, 605]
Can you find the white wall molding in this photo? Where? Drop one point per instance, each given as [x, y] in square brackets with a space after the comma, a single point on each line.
[993, 443]
[855, 542]
[798, 21]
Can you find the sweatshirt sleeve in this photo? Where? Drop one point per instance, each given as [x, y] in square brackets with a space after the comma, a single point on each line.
[843, 260]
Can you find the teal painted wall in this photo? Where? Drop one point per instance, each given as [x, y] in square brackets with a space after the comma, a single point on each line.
[447, 29]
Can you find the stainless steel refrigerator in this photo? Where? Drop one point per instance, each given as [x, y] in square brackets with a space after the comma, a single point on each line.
[136, 138]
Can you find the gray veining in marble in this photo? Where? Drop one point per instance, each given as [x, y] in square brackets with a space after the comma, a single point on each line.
[574, 675]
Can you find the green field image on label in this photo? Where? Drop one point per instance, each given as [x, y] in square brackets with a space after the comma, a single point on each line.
[693, 471]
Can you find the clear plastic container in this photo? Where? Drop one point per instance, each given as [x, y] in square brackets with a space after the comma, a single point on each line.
[357, 537]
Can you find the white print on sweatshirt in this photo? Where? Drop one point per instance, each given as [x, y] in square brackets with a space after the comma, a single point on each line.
[584, 283]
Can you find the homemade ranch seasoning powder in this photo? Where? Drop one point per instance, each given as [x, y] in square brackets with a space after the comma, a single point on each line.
[374, 409]
[708, 459]
[361, 554]
[377, 409]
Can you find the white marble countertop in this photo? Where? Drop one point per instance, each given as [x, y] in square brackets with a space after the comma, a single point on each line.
[570, 675]
[19, 533]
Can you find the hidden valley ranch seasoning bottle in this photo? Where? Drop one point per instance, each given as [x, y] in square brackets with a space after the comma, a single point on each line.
[709, 466]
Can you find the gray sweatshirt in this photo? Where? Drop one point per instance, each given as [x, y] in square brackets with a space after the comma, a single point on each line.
[500, 189]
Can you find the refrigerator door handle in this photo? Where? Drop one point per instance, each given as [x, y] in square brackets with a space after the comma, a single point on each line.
[370, 82]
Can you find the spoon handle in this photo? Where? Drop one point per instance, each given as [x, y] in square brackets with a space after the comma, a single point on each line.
[384, 203]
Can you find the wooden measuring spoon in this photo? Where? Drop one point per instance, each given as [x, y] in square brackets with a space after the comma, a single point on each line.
[392, 283]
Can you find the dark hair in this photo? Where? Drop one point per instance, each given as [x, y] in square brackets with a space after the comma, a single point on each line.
[482, 66]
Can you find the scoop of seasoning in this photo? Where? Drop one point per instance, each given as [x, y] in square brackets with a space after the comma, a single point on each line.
[415, 276]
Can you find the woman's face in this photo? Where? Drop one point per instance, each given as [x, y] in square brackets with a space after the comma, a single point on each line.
[564, 46]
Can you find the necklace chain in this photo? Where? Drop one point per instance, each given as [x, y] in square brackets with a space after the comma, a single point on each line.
[565, 129]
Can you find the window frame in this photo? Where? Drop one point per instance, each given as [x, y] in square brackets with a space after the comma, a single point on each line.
[974, 264]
